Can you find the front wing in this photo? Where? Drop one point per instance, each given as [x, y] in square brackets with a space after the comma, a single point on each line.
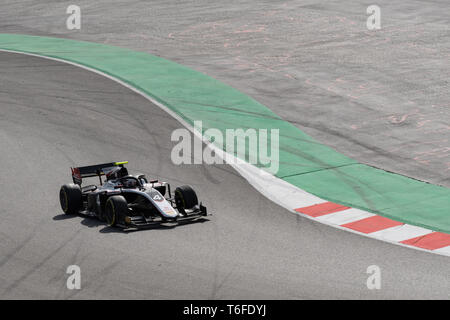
[141, 222]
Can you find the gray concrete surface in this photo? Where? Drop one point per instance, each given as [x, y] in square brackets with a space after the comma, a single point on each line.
[380, 97]
[53, 116]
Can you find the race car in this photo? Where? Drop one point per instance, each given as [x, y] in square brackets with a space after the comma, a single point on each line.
[128, 201]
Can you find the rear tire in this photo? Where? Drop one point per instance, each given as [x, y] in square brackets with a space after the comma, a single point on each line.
[185, 198]
[116, 209]
[70, 198]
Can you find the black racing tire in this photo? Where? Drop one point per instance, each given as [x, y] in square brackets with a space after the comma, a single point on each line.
[70, 198]
[116, 208]
[185, 198]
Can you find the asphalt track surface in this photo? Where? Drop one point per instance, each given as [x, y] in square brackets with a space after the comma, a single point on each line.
[380, 97]
[56, 115]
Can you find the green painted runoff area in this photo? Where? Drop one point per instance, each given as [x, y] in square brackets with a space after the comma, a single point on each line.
[304, 162]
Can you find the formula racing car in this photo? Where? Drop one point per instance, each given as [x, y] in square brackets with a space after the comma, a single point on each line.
[128, 201]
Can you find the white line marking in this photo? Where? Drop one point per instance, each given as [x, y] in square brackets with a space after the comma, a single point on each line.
[401, 233]
[444, 250]
[345, 216]
[275, 189]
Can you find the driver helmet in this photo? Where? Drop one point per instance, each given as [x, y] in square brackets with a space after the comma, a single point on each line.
[129, 183]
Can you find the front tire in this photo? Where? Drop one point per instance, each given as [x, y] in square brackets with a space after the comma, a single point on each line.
[70, 198]
[185, 198]
[116, 209]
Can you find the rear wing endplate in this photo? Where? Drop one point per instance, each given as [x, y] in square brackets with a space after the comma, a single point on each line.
[92, 171]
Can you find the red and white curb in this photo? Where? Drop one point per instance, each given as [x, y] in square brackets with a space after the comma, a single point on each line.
[345, 218]
[378, 227]
[303, 203]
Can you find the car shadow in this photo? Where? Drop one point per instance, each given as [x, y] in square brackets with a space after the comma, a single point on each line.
[199, 220]
[109, 229]
[92, 222]
[64, 216]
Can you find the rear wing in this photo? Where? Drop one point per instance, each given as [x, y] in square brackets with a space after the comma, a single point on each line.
[92, 171]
